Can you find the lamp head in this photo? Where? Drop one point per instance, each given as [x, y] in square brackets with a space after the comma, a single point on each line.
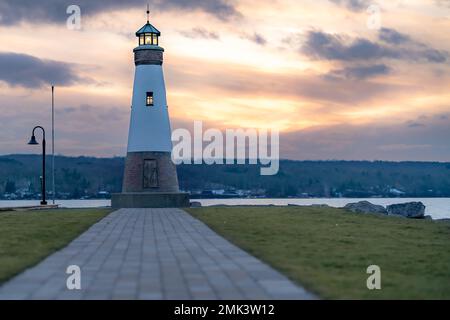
[33, 140]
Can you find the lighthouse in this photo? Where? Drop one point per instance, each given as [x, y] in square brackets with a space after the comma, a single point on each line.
[150, 177]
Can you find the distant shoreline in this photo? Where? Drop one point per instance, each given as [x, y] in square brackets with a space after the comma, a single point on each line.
[250, 198]
[437, 208]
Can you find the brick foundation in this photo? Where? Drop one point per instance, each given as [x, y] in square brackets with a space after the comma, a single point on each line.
[133, 180]
[154, 186]
[150, 200]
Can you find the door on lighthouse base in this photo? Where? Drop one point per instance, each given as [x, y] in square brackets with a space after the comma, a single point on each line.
[150, 174]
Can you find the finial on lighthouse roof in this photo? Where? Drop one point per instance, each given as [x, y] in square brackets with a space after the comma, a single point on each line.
[148, 28]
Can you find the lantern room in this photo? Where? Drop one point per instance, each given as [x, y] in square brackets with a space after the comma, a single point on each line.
[148, 35]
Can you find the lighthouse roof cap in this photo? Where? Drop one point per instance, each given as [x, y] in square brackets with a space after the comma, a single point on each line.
[148, 28]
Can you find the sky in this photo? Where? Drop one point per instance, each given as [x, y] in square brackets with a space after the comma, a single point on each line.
[340, 79]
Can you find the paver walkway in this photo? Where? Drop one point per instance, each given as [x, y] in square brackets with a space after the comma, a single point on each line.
[152, 254]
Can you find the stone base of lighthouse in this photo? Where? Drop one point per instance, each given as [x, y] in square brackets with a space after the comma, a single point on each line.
[150, 200]
[150, 181]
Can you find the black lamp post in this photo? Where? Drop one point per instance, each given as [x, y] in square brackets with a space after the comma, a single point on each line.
[34, 142]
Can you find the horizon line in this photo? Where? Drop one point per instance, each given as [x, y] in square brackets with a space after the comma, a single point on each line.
[246, 159]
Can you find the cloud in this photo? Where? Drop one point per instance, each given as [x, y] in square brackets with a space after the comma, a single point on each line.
[376, 141]
[54, 11]
[221, 9]
[235, 81]
[353, 5]
[443, 3]
[92, 129]
[371, 141]
[18, 69]
[321, 45]
[256, 38]
[393, 37]
[415, 124]
[417, 49]
[200, 33]
[360, 72]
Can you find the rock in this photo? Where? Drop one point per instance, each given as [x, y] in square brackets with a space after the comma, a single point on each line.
[365, 207]
[414, 210]
[195, 204]
[428, 217]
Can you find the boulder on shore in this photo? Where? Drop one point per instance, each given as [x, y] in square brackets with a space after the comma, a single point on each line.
[414, 210]
[365, 207]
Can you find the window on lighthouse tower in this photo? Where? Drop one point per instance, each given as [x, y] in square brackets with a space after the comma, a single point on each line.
[149, 99]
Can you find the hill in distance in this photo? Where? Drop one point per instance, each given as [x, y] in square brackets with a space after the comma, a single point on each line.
[77, 177]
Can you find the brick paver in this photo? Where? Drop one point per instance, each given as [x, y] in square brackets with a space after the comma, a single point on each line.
[152, 254]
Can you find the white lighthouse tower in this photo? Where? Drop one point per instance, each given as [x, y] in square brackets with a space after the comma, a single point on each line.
[150, 177]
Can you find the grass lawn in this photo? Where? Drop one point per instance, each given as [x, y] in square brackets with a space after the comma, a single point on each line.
[328, 250]
[28, 237]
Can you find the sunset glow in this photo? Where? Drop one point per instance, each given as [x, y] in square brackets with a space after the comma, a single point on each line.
[287, 64]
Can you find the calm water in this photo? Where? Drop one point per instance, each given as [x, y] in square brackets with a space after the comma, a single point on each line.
[438, 208]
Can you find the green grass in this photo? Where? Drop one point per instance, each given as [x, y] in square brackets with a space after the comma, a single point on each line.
[328, 250]
[28, 237]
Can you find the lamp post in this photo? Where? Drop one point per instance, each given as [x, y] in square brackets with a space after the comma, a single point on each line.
[34, 142]
[53, 144]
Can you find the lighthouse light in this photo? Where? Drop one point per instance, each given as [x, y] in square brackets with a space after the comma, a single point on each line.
[148, 38]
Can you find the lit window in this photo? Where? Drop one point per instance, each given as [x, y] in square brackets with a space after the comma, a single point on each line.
[149, 99]
[148, 38]
[141, 39]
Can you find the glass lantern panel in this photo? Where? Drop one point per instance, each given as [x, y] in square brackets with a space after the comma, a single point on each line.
[148, 38]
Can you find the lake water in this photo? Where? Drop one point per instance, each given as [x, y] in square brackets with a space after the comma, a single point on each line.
[438, 208]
